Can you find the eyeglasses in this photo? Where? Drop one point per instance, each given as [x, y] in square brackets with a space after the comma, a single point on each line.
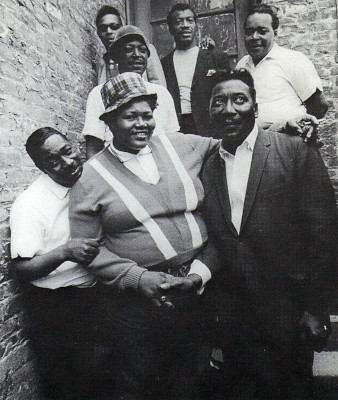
[103, 28]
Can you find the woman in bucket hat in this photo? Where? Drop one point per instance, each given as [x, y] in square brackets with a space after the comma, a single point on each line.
[140, 197]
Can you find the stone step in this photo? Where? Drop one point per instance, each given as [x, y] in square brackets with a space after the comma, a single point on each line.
[326, 362]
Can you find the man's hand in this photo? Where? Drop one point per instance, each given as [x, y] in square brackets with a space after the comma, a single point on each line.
[305, 126]
[313, 331]
[188, 284]
[150, 285]
[207, 43]
[82, 251]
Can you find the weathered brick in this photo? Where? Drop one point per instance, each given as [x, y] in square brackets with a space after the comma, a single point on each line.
[310, 27]
[46, 73]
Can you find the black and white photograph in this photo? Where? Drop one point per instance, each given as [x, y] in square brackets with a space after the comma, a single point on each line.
[168, 200]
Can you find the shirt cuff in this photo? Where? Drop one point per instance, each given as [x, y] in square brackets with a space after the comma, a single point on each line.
[132, 278]
[199, 268]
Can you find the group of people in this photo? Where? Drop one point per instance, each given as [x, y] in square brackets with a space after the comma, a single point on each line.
[190, 227]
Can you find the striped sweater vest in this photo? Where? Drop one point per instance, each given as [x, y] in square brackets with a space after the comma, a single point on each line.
[151, 224]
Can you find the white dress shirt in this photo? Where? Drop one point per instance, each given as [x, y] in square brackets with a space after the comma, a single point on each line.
[143, 165]
[284, 79]
[39, 223]
[237, 172]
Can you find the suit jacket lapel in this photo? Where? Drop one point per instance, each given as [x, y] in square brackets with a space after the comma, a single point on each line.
[260, 153]
[221, 184]
[171, 77]
[202, 60]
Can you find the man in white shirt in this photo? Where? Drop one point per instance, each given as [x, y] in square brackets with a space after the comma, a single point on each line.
[286, 81]
[58, 304]
[130, 50]
[187, 69]
[270, 211]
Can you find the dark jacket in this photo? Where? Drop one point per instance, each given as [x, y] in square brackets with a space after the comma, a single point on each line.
[282, 258]
[200, 88]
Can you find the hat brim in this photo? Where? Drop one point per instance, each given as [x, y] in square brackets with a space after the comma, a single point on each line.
[148, 96]
[116, 44]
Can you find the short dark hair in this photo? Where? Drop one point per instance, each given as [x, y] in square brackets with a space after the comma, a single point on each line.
[265, 9]
[237, 74]
[178, 7]
[104, 10]
[36, 141]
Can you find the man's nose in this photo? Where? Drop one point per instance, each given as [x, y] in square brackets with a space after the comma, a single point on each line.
[255, 35]
[136, 52]
[68, 161]
[229, 108]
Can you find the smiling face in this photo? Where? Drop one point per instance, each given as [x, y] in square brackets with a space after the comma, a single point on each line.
[107, 27]
[132, 55]
[232, 111]
[132, 126]
[60, 161]
[259, 36]
[183, 29]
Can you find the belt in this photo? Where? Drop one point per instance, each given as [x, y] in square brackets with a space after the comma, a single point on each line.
[180, 270]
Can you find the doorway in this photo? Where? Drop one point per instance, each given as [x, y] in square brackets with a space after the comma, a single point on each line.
[220, 19]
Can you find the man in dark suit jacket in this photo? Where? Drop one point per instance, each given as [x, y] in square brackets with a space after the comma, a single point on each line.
[186, 70]
[270, 211]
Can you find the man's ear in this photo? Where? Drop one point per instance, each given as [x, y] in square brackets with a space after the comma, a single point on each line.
[275, 32]
[39, 164]
[256, 110]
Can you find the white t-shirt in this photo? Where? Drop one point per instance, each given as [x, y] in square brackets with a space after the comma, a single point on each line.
[164, 114]
[284, 79]
[39, 223]
[185, 64]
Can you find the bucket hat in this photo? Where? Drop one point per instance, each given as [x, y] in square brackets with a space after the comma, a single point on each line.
[121, 89]
[124, 31]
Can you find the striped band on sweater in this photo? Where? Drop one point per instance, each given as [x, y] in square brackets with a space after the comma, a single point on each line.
[136, 209]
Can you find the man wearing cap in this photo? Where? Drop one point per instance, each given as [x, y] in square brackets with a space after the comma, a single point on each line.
[108, 21]
[130, 50]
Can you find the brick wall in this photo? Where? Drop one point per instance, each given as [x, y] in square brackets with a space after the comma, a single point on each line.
[46, 70]
[310, 26]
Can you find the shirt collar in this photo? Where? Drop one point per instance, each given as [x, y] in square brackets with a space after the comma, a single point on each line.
[107, 59]
[125, 156]
[273, 53]
[191, 50]
[59, 190]
[249, 142]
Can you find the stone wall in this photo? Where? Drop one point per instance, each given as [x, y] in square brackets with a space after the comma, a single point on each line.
[310, 26]
[47, 55]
